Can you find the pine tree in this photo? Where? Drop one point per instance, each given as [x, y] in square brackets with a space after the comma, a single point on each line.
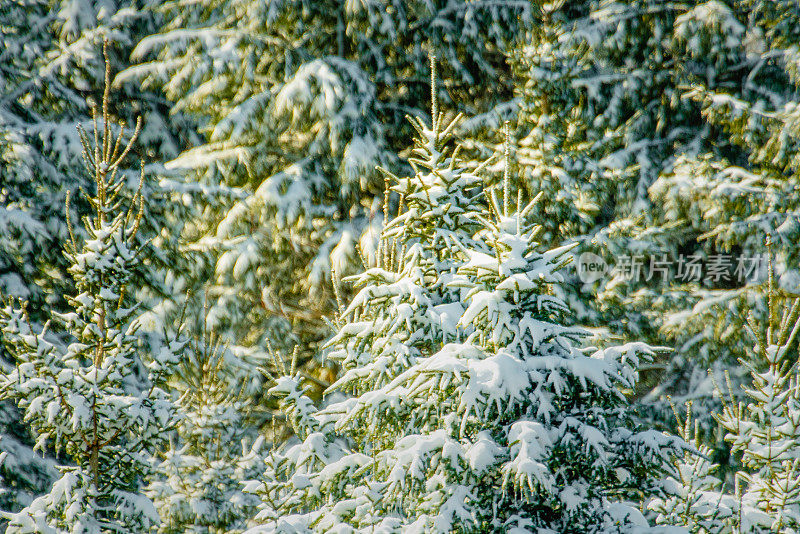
[95, 396]
[199, 483]
[660, 132]
[470, 407]
[765, 430]
[299, 101]
[695, 497]
[50, 64]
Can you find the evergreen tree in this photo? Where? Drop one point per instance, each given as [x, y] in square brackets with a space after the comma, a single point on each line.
[299, 102]
[763, 430]
[50, 64]
[666, 132]
[95, 396]
[470, 406]
[199, 483]
[694, 494]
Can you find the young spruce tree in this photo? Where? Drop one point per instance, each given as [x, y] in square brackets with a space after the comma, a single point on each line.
[95, 397]
[694, 492]
[763, 429]
[199, 487]
[51, 65]
[469, 406]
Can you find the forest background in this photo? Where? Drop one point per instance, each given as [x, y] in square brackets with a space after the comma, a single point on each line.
[662, 137]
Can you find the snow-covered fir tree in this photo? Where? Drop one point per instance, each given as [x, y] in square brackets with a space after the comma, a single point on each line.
[199, 484]
[763, 429]
[659, 132]
[469, 405]
[299, 101]
[694, 496]
[50, 63]
[96, 396]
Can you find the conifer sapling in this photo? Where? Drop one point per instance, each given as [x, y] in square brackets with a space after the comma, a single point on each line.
[97, 397]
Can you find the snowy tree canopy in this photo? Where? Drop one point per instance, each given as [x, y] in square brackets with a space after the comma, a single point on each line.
[489, 332]
[659, 134]
[299, 101]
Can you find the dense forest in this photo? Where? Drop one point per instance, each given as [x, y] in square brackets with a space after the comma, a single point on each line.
[378, 266]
